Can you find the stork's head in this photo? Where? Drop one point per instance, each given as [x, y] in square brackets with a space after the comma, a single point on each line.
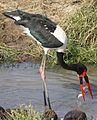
[17, 15]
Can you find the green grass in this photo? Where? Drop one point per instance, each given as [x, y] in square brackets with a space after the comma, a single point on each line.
[81, 30]
[13, 55]
[8, 54]
[26, 113]
[82, 34]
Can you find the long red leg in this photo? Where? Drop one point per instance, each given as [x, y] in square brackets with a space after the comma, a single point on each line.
[43, 76]
[42, 68]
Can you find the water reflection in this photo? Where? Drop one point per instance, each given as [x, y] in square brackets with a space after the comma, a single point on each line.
[21, 84]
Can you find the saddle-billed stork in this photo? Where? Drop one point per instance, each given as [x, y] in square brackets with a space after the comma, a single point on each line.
[50, 36]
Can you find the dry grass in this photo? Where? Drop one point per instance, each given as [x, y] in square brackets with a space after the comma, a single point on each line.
[82, 34]
[12, 37]
[60, 11]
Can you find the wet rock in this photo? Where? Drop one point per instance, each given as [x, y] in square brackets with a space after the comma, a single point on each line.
[4, 115]
[75, 115]
[50, 115]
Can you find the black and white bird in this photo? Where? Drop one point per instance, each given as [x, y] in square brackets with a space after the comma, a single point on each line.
[50, 36]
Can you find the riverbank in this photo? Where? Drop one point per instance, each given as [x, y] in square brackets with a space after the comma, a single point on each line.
[28, 113]
[21, 113]
[77, 18]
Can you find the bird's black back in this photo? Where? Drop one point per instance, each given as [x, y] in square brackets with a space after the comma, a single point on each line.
[41, 28]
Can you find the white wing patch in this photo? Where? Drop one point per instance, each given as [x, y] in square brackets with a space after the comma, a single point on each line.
[16, 18]
[60, 34]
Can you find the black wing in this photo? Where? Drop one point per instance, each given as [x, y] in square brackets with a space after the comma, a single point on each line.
[46, 38]
[40, 27]
[45, 21]
[42, 30]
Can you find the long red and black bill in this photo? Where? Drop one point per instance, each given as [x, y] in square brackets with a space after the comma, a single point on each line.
[85, 76]
[82, 88]
[88, 85]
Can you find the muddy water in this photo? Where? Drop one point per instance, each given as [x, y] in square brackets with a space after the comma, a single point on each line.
[22, 85]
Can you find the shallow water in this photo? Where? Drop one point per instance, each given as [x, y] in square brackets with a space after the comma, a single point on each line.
[22, 85]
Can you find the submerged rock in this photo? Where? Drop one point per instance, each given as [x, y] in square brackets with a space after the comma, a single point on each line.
[75, 115]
